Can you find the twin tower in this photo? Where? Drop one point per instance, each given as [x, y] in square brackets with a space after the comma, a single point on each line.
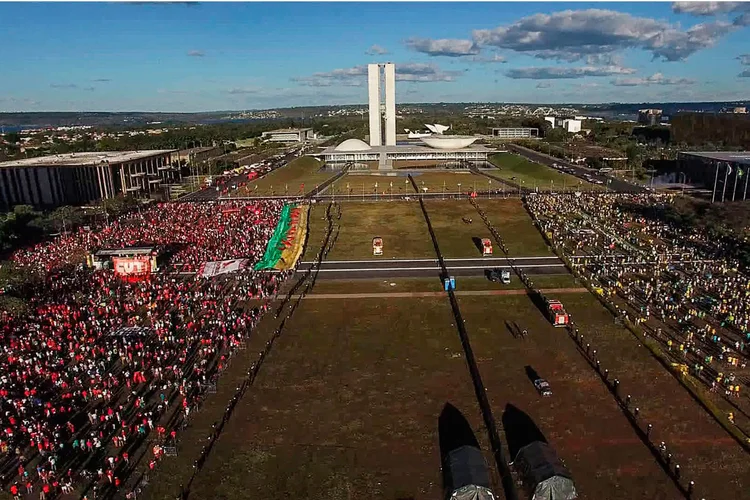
[377, 73]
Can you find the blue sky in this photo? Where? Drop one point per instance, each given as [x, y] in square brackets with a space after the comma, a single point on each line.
[222, 56]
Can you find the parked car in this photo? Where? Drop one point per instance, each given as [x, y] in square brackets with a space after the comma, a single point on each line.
[499, 276]
[542, 386]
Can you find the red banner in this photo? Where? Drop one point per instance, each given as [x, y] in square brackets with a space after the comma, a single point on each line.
[131, 266]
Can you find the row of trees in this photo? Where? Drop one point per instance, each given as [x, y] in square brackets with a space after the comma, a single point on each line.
[25, 226]
[712, 130]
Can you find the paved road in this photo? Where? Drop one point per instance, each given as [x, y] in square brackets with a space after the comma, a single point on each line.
[415, 268]
[412, 295]
[212, 194]
[615, 184]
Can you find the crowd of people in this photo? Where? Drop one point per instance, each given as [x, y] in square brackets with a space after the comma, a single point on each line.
[101, 366]
[679, 285]
[188, 233]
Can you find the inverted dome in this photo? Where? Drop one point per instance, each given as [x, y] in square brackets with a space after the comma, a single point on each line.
[353, 145]
[448, 141]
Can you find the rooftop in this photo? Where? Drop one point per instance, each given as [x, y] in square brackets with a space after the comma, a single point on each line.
[197, 150]
[407, 149]
[89, 158]
[286, 130]
[742, 157]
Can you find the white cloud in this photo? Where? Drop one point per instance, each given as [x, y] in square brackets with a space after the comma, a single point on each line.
[420, 72]
[744, 59]
[715, 8]
[543, 85]
[745, 74]
[196, 53]
[655, 79]
[704, 8]
[496, 58]
[376, 50]
[575, 34]
[448, 47]
[243, 90]
[559, 72]
[356, 76]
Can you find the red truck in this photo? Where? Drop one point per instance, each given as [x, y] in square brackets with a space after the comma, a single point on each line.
[556, 313]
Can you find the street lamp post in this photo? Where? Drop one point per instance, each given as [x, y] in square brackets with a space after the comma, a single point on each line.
[459, 190]
[724, 188]
[684, 179]
[716, 180]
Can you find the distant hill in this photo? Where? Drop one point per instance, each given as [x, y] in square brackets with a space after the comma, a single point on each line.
[139, 119]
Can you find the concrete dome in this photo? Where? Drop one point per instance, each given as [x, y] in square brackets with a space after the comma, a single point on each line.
[448, 141]
[353, 145]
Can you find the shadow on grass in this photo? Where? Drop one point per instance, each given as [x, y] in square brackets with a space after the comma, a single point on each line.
[477, 243]
[520, 429]
[461, 459]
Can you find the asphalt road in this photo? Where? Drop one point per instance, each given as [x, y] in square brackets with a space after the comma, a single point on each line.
[212, 194]
[615, 184]
[416, 268]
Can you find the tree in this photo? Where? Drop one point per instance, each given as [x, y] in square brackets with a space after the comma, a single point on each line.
[66, 217]
[13, 137]
[555, 135]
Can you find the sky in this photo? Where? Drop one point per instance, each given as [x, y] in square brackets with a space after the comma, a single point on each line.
[190, 57]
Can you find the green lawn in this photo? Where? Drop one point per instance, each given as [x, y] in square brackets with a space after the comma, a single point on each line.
[346, 406]
[456, 238]
[464, 283]
[400, 224]
[357, 184]
[518, 169]
[404, 231]
[434, 181]
[515, 227]
[288, 179]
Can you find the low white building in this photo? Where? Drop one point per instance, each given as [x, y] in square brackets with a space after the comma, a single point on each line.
[78, 178]
[572, 126]
[551, 120]
[515, 132]
[450, 149]
[288, 135]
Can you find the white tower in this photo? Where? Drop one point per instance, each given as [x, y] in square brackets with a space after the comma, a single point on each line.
[373, 88]
[390, 104]
[376, 119]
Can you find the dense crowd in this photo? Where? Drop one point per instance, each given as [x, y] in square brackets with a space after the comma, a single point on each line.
[189, 233]
[681, 286]
[102, 365]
